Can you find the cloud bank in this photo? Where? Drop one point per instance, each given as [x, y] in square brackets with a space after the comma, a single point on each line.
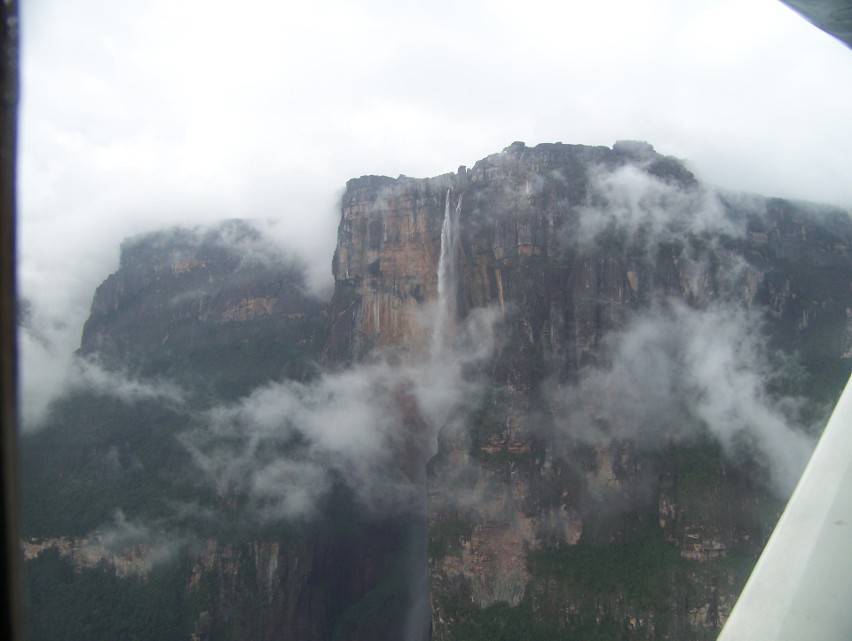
[50, 376]
[372, 426]
[186, 110]
[677, 372]
[639, 204]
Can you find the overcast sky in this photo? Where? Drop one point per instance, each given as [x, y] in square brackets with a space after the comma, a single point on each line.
[136, 115]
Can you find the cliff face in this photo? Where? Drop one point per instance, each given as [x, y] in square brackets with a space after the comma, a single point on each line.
[290, 588]
[602, 374]
[535, 523]
[255, 590]
[549, 218]
[183, 297]
[120, 517]
[385, 265]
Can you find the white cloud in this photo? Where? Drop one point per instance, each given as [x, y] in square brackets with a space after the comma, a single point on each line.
[710, 375]
[373, 426]
[89, 375]
[49, 374]
[136, 116]
[134, 547]
[636, 201]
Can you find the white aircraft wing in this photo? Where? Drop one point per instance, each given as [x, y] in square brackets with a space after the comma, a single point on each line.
[801, 587]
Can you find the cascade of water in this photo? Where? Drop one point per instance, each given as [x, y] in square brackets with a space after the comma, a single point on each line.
[419, 623]
[447, 275]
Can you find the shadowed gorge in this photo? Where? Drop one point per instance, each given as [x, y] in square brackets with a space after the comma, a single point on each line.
[561, 394]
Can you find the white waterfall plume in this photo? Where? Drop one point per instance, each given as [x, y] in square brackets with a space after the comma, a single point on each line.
[447, 275]
[419, 621]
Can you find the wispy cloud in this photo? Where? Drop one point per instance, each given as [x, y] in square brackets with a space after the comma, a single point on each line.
[131, 547]
[89, 375]
[674, 372]
[372, 426]
[642, 205]
[57, 376]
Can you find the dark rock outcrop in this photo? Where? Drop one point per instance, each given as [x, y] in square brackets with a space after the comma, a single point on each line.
[223, 302]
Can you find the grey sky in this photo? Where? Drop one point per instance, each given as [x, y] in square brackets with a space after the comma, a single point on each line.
[137, 115]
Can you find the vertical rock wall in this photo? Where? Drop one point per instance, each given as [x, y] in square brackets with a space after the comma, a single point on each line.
[511, 510]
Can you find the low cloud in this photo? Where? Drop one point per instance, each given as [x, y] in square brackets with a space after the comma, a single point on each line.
[48, 335]
[250, 242]
[42, 374]
[642, 205]
[88, 375]
[56, 376]
[132, 547]
[373, 426]
[675, 371]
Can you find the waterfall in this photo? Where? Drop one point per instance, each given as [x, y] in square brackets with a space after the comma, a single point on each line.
[419, 621]
[447, 275]
[418, 625]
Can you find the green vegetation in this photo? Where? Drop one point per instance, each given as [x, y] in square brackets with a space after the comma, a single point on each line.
[100, 454]
[531, 621]
[445, 534]
[487, 419]
[638, 571]
[613, 241]
[96, 604]
[368, 618]
[498, 622]
[223, 362]
[628, 590]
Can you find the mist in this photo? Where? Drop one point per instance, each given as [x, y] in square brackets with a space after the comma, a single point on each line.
[143, 545]
[637, 202]
[49, 339]
[372, 425]
[183, 112]
[676, 373]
